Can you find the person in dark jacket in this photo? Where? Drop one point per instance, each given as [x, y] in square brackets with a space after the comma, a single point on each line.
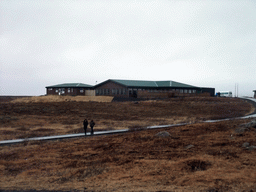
[85, 126]
[92, 125]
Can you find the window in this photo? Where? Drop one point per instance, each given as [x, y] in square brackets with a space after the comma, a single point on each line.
[113, 91]
[189, 91]
[68, 90]
[181, 90]
[56, 90]
[62, 91]
[194, 91]
[124, 92]
[185, 91]
[50, 89]
[81, 90]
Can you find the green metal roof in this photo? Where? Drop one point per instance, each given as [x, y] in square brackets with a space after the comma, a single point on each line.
[67, 85]
[155, 84]
[134, 83]
[173, 84]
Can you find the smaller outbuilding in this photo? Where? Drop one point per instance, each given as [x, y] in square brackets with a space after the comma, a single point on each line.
[72, 89]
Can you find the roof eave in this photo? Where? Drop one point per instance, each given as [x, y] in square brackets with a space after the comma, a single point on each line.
[109, 80]
[77, 85]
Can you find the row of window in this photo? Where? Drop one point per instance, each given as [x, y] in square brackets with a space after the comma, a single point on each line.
[114, 91]
[187, 91]
[62, 90]
[173, 90]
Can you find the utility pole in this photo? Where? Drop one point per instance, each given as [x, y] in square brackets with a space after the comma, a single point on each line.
[236, 89]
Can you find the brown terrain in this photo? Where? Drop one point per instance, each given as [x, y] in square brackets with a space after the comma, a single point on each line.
[200, 156]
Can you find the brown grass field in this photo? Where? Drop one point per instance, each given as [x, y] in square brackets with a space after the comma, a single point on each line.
[197, 157]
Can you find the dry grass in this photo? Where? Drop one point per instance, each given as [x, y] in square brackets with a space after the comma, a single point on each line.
[57, 98]
[137, 161]
[197, 157]
[35, 117]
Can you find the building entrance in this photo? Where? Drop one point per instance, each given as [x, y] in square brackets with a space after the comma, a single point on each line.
[133, 93]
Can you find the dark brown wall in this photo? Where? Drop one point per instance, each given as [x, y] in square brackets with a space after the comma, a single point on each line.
[51, 91]
[110, 88]
[106, 89]
[211, 91]
[72, 92]
[168, 94]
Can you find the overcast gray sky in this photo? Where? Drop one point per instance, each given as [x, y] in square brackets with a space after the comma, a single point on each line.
[199, 42]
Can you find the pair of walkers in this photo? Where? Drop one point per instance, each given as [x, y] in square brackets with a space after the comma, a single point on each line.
[86, 125]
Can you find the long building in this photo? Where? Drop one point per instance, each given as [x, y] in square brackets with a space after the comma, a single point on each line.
[148, 89]
[130, 89]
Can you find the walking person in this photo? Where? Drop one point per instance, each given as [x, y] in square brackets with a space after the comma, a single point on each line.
[85, 123]
[92, 125]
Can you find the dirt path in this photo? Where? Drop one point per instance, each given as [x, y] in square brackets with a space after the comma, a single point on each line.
[251, 101]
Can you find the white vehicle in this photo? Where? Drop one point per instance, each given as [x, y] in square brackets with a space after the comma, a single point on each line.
[224, 94]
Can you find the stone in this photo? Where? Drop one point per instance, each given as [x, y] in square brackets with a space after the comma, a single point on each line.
[189, 146]
[241, 130]
[246, 144]
[163, 134]
[251, 124]
[251, 148]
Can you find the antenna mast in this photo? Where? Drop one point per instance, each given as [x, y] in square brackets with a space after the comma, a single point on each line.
[237, 90]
